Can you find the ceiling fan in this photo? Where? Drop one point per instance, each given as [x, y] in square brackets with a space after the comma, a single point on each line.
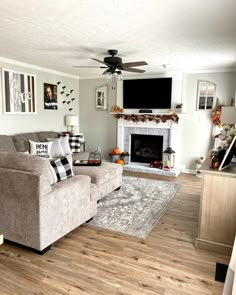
[113, 64]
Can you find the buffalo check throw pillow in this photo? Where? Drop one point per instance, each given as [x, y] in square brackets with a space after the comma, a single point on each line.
[74, 141]
[62, 168]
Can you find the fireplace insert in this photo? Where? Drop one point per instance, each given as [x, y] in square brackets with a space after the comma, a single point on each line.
[146, 148]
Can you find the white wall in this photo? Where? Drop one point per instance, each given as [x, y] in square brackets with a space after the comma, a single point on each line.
[44, 120]
[194, 128]
[99, 127]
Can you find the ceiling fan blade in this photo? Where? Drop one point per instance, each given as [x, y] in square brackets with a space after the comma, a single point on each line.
[106, 71]
[101, 62]
[133, 70]
[89, 67]
[134, 64]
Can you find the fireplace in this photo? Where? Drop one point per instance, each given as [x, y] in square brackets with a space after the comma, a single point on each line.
[146, 148]
[166, 130]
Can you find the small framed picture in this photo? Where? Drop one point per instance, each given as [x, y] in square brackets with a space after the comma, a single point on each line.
[178, 108]
[50, 96]
[101, 98]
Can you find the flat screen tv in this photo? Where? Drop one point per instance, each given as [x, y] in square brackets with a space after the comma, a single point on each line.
[152, 93]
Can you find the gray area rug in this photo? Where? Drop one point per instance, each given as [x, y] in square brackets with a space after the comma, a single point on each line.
[136, 207]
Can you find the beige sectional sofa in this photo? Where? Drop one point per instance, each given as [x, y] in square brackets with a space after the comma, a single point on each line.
[35, 211]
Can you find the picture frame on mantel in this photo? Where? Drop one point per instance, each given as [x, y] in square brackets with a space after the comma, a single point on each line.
[19, 92]
[101, 98]
[178, 108]
[206, 93]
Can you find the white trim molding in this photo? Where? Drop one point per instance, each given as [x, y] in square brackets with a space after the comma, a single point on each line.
[38, 68]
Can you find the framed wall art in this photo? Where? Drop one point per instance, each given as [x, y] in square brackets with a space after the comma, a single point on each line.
[101, 98]
[19, 92]
[206, 93]
[50, 96]
[178, 108]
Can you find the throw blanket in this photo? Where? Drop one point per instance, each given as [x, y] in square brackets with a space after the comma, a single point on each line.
[230, 281]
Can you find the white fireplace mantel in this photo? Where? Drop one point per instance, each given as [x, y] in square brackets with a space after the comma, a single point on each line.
[149, 127]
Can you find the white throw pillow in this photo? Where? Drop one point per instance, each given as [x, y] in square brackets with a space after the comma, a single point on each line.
[70, 159]
[65, 144]
[56, 150]
[41, 149]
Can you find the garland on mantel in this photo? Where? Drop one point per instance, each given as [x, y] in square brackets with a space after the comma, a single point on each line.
[147, 118]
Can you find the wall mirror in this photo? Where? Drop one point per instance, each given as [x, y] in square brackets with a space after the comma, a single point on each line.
[101, 98]
[206, 93]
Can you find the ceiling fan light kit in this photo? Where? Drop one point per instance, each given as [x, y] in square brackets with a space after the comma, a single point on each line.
[114, 66]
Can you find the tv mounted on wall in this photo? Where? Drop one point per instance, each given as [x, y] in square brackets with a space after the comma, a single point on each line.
[154, 93]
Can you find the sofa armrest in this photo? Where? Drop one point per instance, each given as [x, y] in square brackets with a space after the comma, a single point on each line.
[20, 194]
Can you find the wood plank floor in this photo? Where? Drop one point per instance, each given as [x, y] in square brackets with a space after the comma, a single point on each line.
[100, 262]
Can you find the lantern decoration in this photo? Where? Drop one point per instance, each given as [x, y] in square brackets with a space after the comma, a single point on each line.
[168, 159]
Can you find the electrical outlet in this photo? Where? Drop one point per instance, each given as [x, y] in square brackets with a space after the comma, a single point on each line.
[99, 149]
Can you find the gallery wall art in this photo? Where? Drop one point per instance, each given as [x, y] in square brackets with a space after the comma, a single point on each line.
[19, 92]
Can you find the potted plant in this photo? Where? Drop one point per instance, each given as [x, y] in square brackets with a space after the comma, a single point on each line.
[115, 155]
[125, 157]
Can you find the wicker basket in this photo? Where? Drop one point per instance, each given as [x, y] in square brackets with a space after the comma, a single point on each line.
[114, 158]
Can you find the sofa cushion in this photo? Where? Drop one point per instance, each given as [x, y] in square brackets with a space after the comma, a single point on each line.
[65, 144]
[21, 141]
[62, 168]
[100, 174]
[7, 144]
[41, 149]
[43, 135]
[28, 163]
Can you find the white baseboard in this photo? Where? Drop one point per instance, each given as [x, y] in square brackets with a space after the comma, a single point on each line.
[1, 239]
[188, 171]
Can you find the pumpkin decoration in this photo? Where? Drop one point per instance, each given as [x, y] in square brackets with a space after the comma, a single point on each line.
[117, 109]
[116, 151]
[121, 162]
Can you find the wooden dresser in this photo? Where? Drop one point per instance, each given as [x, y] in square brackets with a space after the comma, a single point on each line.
[217, 216]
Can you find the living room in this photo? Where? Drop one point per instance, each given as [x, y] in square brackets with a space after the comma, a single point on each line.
[46, 41]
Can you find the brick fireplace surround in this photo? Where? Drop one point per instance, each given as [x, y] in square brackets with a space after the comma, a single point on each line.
[168, 130]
